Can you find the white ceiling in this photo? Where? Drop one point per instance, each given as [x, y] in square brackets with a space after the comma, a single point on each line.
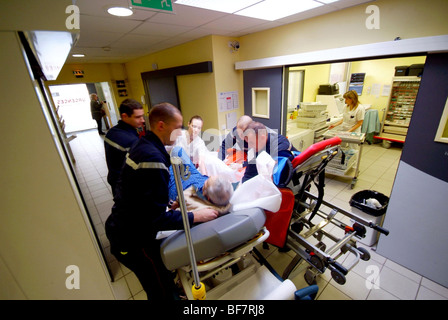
[147, 32]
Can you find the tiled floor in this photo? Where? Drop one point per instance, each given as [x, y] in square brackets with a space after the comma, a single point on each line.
[377, 172]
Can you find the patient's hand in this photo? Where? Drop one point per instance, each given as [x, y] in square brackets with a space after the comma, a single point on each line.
[204, 215]
[174, 205]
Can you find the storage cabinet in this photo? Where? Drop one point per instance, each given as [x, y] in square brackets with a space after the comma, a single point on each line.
[399, 111]
[300, 138]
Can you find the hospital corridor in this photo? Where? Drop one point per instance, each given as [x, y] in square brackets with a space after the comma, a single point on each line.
[258, 150]
[377, 172]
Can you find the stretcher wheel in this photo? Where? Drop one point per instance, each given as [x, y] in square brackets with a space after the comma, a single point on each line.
[310, 277]
[365, 255]
[338, 276]
[321, 246]
[317, 262]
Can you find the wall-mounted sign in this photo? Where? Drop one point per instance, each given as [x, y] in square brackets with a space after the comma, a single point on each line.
[153, 5]
[78, 73]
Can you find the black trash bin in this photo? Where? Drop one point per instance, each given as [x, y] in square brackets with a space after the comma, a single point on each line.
[374, 214]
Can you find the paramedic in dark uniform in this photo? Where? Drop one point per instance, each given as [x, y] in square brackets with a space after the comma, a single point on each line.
[120, 138]
[235, 137]
[141, 199]
[259, 138]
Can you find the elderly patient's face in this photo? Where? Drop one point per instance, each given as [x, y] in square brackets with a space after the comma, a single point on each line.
[217, 190]
[206, 186]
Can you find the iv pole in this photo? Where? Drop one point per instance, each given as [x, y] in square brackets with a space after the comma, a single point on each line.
[198, 289]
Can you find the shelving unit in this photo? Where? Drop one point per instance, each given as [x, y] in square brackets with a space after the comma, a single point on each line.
[400, 108]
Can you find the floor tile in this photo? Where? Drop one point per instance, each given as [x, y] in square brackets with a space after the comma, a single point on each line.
[403, 271]
[380, 294]
[332, 293]
[437, 288]
[397, 284]
[426, 294]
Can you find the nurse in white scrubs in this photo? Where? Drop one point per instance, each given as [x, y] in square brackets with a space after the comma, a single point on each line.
[353, 115]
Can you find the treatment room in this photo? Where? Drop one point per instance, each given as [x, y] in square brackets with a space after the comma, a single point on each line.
[285, 159]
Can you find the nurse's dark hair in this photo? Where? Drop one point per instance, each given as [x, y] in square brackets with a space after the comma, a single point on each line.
[129, 105]
[162, 112]
[195, 117]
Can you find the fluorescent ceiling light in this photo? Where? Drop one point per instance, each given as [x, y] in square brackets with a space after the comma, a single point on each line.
[227, 6]
[120, 11]
[78, 55]
[275, 9]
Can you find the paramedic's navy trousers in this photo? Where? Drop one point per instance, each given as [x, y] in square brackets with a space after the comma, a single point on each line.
[147, 265]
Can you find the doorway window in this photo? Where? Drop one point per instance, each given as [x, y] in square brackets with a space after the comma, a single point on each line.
[442, 131]
[260, 102]
[73, 105]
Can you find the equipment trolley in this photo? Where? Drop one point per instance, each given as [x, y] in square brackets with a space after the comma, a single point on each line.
[346, 164]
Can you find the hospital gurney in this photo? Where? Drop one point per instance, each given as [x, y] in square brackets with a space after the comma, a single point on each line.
[228, 264]
[292, 227]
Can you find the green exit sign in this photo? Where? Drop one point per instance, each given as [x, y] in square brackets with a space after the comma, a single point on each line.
[154, 5]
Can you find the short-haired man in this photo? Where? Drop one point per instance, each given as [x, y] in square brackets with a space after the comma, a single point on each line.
[259, 139]
[120, 138]
[235, 137]
[141, 200]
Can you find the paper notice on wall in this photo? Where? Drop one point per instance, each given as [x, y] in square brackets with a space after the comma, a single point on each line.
[228, 101]
[376, 90]
[386, 90]
[230, 120]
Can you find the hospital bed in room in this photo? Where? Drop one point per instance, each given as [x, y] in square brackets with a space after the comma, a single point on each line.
[221, 257]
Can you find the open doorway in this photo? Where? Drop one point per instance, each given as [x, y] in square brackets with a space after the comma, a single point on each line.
[72, 102]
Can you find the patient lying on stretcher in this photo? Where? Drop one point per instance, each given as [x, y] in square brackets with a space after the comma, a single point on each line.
[200, 191]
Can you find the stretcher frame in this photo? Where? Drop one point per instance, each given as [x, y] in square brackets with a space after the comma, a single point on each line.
[241, 255]
[301, 228]
[244, 258]
[296, 215]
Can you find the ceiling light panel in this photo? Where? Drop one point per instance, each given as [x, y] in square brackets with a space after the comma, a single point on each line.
[227, 6]
[273, 9]
[120, 11]
[327, 1]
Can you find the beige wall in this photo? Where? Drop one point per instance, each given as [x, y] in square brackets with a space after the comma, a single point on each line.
[406, 19]
[226, 77]
[314, 76]
[43, 228]
[197, 93]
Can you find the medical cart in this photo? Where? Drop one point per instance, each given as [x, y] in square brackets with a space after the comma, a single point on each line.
[346, 163]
